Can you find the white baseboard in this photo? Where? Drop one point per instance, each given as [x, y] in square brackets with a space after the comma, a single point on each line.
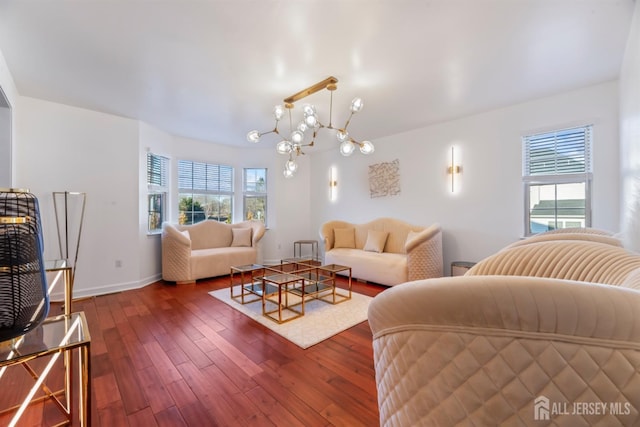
[107, 289]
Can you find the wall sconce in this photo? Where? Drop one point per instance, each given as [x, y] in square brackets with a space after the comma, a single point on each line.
[333, 184]
[453, 169]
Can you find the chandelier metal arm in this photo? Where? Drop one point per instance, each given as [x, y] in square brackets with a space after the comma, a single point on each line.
[346, 125]
[275, 130]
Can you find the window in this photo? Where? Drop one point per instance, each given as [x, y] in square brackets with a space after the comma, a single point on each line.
[157, 171]
[205, 191]
[557, 179]
[254, 192]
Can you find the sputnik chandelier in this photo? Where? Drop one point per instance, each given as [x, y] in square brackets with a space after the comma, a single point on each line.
[310, 124]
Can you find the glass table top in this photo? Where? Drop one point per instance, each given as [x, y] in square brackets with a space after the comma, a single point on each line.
[56, 264]
[52, 335]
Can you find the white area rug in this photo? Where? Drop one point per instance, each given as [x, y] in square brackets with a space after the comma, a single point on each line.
[320, 321]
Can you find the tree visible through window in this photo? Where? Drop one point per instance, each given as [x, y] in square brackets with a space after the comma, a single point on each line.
[254, 192]
[557, 179]
[205, 191]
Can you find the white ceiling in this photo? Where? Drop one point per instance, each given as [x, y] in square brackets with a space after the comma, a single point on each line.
[212, 70]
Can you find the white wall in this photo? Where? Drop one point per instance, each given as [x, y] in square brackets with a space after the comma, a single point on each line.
[63, 148]
[7, 125]
[630, 134]
[487, 211]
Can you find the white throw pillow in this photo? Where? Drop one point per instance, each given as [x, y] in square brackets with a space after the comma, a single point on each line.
[344, 238]
[241, 237]
[376, 241]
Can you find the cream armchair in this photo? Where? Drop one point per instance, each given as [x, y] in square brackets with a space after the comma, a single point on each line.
[548, 330]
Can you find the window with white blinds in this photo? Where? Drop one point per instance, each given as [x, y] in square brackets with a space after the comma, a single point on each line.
[157, 170]
[157, 182]
[205, 192]
[557, 179]
[557, 153]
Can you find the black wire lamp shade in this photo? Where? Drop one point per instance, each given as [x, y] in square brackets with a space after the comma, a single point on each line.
[24, 301]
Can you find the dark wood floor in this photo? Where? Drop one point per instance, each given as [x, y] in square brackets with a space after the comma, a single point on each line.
[168, 355]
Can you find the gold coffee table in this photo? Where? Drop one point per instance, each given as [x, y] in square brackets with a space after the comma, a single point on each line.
[253, 286]
[321, 283]
[278, 285]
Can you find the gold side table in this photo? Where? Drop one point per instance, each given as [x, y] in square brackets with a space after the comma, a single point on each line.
[53, 337]
[297, 248]
[276, 287]
[459, 268]
[253, 286]
[332, 270]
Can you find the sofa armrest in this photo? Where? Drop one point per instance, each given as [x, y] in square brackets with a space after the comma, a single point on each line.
[176, 254]
[554, 308]
[424, 254]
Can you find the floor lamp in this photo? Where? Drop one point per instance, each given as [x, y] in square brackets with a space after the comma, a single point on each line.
[69, 210]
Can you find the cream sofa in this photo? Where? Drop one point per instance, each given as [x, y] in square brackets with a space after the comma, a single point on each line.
[541, 328]
[207, 249]
[385, 251]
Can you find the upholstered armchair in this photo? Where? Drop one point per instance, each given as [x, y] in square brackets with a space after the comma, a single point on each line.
[545, 332]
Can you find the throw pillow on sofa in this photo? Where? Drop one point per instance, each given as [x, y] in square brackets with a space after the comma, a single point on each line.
[376, 241]
[241, 237]
[344, 238]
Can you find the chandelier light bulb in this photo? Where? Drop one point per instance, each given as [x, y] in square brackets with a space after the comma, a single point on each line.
[291, 165]
[367, 147]
[296, 137]
[342, 135]
[302, 127]
[309, 110]
[346, 148]
[283, 147]
[278, 112]
[356, 105]
[311, 120]
[287, 173]
[253, 136]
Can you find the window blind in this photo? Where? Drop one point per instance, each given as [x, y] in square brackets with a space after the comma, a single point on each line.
[157, 170]
[557, 153]
[204, 177]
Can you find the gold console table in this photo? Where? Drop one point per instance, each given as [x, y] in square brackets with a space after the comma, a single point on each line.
[56, 336]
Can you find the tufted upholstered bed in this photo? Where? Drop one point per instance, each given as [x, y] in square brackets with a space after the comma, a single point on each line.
[544, 332]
